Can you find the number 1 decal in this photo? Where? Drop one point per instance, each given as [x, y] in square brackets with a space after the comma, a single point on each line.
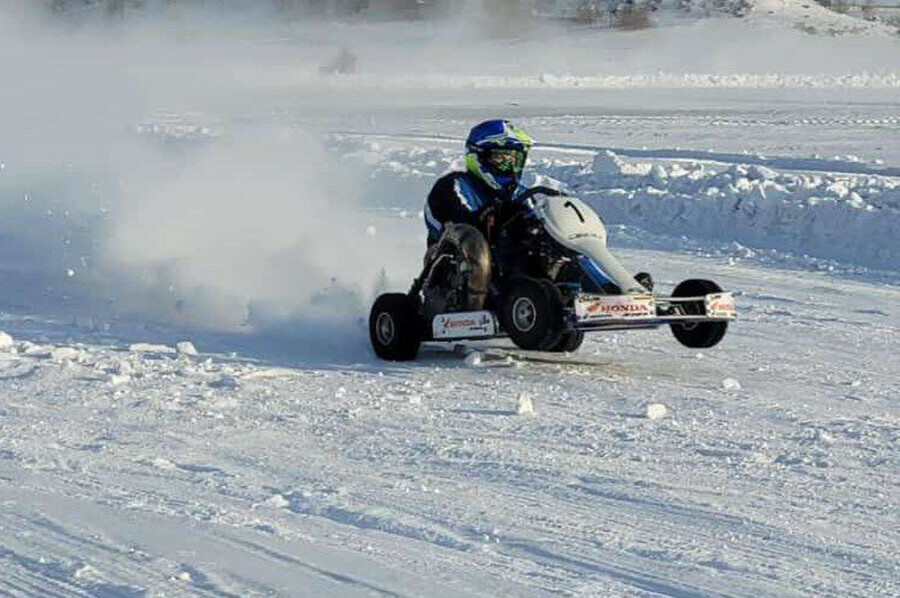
[569, 204]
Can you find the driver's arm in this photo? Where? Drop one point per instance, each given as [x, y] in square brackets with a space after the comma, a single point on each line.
[446, 204]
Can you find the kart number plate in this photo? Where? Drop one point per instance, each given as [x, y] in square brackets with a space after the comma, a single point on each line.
[468, 324]
[615, 307]
[720, 305]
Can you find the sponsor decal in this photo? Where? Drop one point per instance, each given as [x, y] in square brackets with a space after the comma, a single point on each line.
[464, 325]
[720, 305]
[615, 307]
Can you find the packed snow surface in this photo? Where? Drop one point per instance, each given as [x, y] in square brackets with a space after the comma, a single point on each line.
[638, 471]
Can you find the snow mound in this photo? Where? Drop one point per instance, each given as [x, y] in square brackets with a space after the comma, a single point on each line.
[847, 217]
[186, 348]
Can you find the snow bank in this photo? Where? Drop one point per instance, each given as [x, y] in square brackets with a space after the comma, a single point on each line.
[850, 218]
[661, 80]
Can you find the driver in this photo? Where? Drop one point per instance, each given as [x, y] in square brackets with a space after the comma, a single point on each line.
[462, 207]
[496, 151]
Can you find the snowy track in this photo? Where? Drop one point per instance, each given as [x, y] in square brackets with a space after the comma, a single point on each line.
[421, 480]
[284, 460]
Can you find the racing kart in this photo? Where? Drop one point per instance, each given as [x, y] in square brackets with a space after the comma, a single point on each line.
[558, 282]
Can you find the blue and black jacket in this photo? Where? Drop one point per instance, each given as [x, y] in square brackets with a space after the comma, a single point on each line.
[463, 198]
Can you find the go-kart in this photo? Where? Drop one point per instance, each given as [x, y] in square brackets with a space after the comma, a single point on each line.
[557, 282]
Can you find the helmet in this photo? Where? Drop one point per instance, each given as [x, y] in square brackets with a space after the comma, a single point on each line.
[496, 151]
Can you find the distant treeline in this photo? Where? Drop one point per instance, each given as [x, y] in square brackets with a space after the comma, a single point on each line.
[299, 8]
[375, 9]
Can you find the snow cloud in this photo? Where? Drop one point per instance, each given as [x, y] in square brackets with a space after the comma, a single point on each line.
[114, 201]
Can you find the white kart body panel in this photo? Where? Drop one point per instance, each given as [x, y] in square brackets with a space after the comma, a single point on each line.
[576, 226]
[469, 324]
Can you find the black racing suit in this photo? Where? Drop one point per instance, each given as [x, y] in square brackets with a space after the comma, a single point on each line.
[463, 198]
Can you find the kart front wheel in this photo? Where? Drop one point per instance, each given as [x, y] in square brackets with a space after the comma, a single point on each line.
[698, 335]
[394, 327]
[570, 342]
[533, 314]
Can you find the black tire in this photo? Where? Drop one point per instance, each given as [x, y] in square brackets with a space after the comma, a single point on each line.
[395, 328]
[532, 314]
[570, 342]
[698, 335]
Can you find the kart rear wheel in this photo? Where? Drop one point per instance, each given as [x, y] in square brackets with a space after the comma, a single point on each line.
[698, 335]
[533, 314]
[569, 342]
[394, 327]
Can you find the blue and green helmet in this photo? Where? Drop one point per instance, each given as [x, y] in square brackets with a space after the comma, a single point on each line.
[496, 151]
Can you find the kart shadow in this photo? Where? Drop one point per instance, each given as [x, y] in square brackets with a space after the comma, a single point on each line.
[307, 347]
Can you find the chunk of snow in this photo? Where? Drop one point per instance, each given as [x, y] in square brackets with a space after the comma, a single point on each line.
[526, 405]
[474, 359]
[63, 354]
[731, 384]
[186, 348]
[162, 463]
[657, 411]
[87, 572]
[6, 342]
[150, 348]
[608, 164]
[658, 175]
[277, 501]
[123, 367]
[824, 437]
[119, 379]
[37, 351]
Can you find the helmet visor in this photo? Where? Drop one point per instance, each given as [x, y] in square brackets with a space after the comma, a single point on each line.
[510, 161]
